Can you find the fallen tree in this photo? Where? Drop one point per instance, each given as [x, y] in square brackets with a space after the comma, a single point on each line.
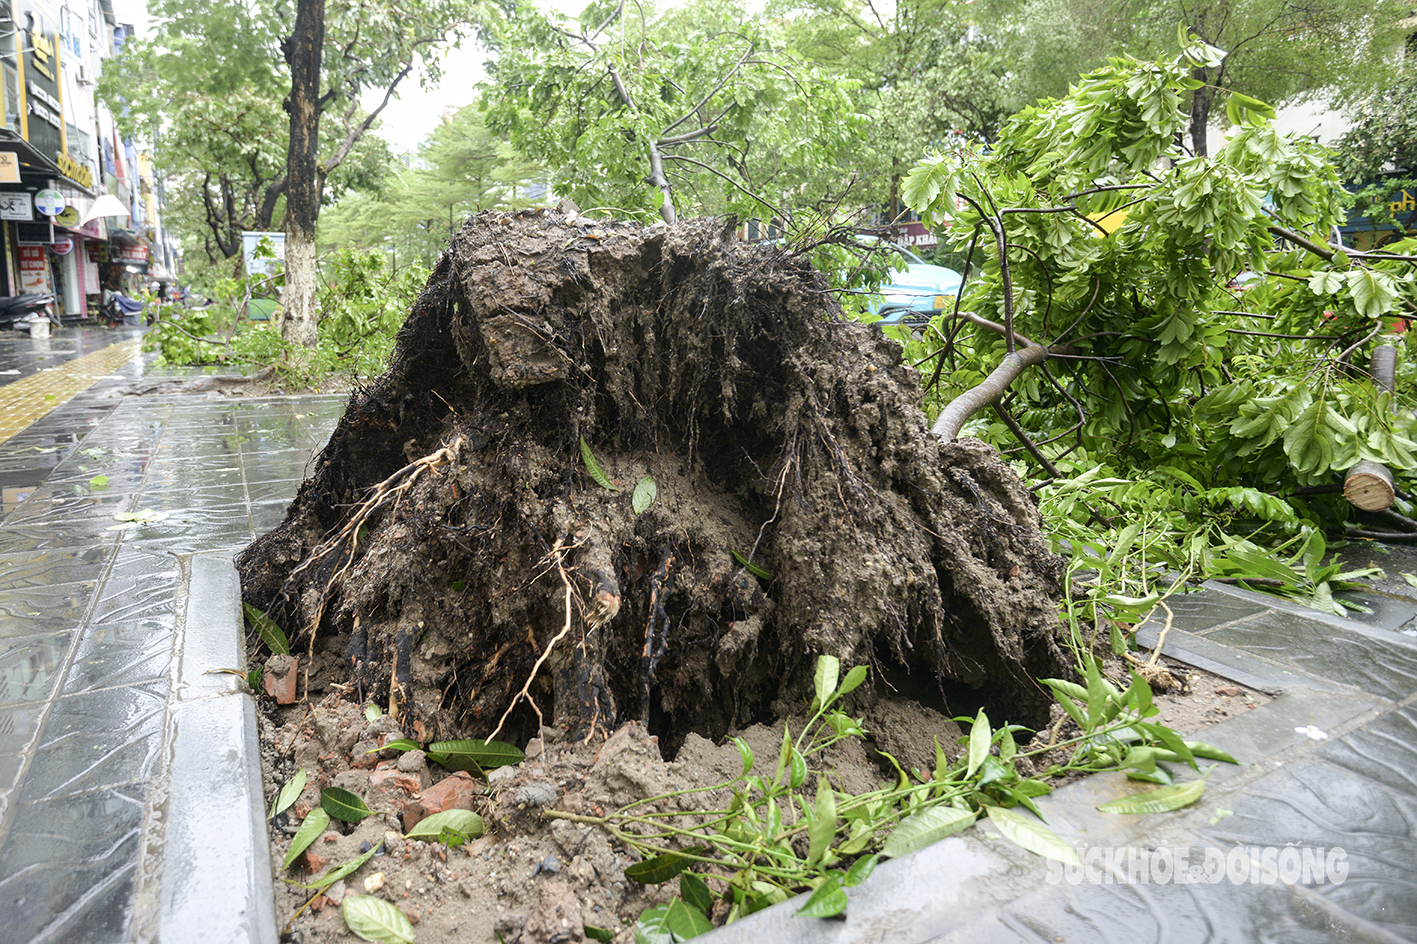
[620, 473]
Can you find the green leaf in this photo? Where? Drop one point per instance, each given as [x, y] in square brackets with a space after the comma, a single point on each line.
[372, 712]
[860, 870]
[593, 467]
[289, 793]
[822, 829]
[684, 921]
[980, 737]
[1157, 801]
[1031, 834]
[98, 481]
[661, 868]
[1209, 752]
[644, 495]
[599, 934]
[825, 679]
[853, 680]
[271, 634]
[745, 753]
[487, 755]
[760, 572]
[926, 827]
[827, 901]
[398, 744]
[343, 805]
[695, 893]
[798, 769]
[312, 826]
[349, 868]
[430, 828]
[651, 929]
[375, 919]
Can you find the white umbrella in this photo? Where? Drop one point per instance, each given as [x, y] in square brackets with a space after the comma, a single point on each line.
[106, 205]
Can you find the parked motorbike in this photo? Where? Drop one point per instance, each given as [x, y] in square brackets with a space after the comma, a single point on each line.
[20, 310]
[120, 309]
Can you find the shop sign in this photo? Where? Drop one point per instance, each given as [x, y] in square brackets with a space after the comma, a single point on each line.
[16, 206]
[77, 171]
[9, 167]
[132, 255]
[34, 269]
[50, 202]
[62, 246]
[69, 218]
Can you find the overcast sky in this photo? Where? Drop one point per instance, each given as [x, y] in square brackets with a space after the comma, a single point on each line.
[416, 111]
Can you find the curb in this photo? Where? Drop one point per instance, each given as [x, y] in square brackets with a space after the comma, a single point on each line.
[207, 836]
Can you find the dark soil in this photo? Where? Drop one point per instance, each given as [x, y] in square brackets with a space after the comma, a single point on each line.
[452, 559]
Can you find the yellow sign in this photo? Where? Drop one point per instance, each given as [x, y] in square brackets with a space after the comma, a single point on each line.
[80, 174]
[9, 167]
[42, 51]
[1406, 203]
[70, 217]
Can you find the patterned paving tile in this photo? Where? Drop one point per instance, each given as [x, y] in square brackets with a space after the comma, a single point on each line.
[97, 739]
[30, 398]
[1377, 665]
[114, 654]
[30, 666]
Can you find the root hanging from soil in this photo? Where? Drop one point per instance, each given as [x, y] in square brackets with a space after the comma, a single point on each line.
[450, 547]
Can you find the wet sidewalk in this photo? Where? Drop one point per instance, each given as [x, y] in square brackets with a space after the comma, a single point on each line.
[1312, 838]
[126, 756]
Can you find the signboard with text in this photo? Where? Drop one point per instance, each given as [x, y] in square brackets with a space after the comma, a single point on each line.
[34, 269]
[16, 206]
[9, 167]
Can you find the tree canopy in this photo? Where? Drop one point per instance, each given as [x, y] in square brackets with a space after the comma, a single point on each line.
[694, 110]
[1103, 326]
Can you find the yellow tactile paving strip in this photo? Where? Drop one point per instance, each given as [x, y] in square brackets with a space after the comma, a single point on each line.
[28, 399]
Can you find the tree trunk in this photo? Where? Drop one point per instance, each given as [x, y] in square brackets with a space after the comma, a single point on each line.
[456, 553]
[303, 51]
[1201, 100]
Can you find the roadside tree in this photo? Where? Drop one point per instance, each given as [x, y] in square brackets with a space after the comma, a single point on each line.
[1103, 332]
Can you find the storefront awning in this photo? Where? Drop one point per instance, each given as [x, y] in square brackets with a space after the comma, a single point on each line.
[32, 161]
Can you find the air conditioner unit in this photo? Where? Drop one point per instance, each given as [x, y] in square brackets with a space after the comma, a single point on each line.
[84, 76]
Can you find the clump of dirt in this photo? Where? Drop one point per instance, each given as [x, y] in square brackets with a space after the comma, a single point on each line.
[537, 879]
[470, 553]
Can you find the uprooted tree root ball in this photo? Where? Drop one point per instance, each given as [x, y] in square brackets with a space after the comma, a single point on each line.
[454, 557]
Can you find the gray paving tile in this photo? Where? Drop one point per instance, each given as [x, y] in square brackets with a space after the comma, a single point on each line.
[84, 534]
[268, 515]
[74, 901]
[1384, 752]
[1326, 806]
[1203, 609]
[173, 475]
[1373, 664]
[116, 654]
[18, 724]
[261, 490]
[65, 601]
[72, 827]
[30, 665]
[140, 586]
[97, 739]
[23, 569]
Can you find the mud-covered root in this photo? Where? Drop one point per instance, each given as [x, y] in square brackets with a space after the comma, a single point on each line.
[451, 547]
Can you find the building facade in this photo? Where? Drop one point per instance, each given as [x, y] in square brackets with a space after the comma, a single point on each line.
[59, 152]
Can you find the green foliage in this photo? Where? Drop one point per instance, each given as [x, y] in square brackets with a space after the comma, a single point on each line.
[461, 168]
[1180, 416]
[700, 105]
[362, 308]
[776, 838]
